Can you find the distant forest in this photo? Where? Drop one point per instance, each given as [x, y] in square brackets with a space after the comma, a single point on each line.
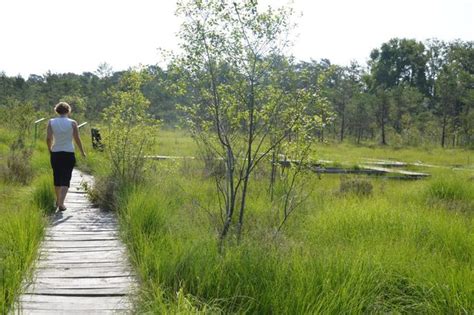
[409, 93]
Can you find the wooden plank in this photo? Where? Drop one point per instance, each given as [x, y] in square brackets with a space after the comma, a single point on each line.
[70, 232]
[86, 223]
[80, 238]
[83, 217]
[101, 255]
[78, 199]
[80, 249]
[89, 272]
[72, 263]
[76, 262]
[69, 229]
[402, 172]
[75, 222]
[56, 244]
[84, 272]
[77, 191]
[37, 301]
[82, 264]
[78, 209]
[86, 282]
[31, 311]
[385, 163]
[77, 233]
[87, 218]
[74, 228]
[88, 255]
[111, 291]
[82, 224]
[340, 170]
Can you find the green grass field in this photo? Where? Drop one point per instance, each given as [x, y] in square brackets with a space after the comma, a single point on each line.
[407, 247]
[22, 213]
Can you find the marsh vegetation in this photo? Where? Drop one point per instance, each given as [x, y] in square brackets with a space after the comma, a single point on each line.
[222, 226]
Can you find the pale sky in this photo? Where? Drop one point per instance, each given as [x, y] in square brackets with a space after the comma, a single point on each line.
[77, 35]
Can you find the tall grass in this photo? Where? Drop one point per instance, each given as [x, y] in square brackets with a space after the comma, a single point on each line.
[22, 210]
[22, 230]
[43, 194]
[350, 153]
[399, 249]
[391, 252]
[455, 190]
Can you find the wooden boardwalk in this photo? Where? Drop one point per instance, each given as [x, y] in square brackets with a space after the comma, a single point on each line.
[82, 266]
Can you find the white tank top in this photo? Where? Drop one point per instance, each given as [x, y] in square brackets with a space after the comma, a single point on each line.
[62, 132]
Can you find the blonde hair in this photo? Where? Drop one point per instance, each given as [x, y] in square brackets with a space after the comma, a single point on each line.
[62, 108]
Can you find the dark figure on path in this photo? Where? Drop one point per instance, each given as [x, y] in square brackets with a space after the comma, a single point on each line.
[61, 131]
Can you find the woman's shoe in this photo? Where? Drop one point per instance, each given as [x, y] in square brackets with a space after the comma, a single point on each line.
[62, 208]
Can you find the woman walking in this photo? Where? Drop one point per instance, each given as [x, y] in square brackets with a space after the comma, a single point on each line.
[61, 132]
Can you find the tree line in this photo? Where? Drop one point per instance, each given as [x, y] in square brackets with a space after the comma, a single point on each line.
[409, 93]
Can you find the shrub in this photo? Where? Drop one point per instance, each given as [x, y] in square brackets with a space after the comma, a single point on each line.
[18, 168]
[105, 192]
[357, 186]
[130, 129]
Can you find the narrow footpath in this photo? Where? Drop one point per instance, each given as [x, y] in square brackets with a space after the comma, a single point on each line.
[82, 266]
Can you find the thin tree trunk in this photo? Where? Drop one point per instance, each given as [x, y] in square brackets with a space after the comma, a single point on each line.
[273, 174]
[249, 161]
[443, 131]
[343, 121]
[230, 200]
[383, 131]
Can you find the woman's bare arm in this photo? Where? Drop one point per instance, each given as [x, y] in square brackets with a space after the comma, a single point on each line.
[77, 138]
[49, 136]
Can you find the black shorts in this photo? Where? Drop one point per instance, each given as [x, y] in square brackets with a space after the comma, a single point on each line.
[62, 164]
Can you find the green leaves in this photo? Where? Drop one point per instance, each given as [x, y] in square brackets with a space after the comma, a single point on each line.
[130, 128]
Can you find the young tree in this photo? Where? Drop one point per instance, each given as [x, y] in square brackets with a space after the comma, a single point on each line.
[453, 91]
[361, 118]
[237, 107]
[342, 84]
[130, 129]
[382, 110]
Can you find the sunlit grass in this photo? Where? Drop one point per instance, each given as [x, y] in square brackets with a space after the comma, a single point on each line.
[405, 247]
[21, 232]
[350, 153]
[22, 210]
[394, 251]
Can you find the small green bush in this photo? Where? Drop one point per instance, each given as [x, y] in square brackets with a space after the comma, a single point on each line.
[104, 192]
[356, 186]
[18, 168]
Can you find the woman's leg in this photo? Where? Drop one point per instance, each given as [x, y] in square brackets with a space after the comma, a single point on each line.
[57, 185]
[62, 196]
[66, 174]
[57, 190]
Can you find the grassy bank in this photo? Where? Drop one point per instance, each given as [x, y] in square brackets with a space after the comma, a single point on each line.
[399, 250]
[22, 213]
[405, 247]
